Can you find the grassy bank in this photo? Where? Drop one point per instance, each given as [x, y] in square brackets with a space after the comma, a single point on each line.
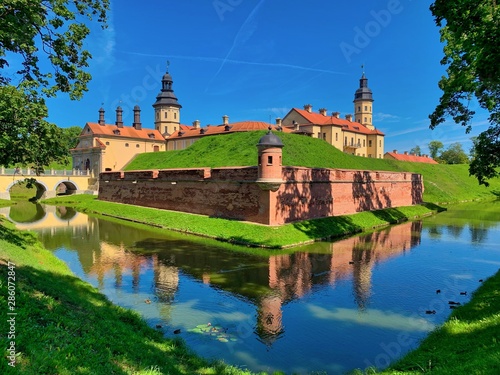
[247, 233]
[468, 343]
[443, 183]
[65, 326]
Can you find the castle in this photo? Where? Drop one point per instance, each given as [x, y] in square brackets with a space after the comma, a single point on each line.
[109, 147]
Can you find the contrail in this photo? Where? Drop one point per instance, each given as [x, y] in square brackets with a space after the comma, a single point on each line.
[244, 33]
[232, 61]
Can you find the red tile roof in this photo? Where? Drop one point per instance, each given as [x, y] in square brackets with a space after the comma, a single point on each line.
[242, 126]
[412, 158]
[126, 131]
[321, 120]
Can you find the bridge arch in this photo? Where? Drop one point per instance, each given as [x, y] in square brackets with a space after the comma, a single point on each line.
[70, 187]
[41, 188]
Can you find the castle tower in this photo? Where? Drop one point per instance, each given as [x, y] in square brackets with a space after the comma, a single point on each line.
[363, 103]
[270, 162]
[167, 108]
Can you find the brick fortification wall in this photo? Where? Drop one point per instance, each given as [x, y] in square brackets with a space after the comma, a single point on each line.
[233, 193]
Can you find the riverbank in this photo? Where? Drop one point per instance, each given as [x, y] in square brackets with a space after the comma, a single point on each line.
[65, 326]
[468, 343]
[248, 234]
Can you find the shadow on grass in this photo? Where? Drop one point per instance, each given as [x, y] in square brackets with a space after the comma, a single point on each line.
[434, 207]
[329, 227]
[64, 325]
[21, 239]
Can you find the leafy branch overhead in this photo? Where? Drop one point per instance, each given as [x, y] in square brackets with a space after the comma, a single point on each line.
[470, 30]
[53, 31]
[41, 54]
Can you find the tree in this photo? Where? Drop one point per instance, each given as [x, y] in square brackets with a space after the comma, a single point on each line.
[416, 151]
[40, 33]
[434, 148]
[454, 154]
[470, 30]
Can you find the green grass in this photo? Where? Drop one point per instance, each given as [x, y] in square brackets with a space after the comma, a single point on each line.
[468, 343]
[443, 183]
[65, 326]
[246, 233]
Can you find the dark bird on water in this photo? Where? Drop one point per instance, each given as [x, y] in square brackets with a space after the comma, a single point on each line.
[177, 331]
[463, 293]
[430, 311]
[454, 303]
[438, 291]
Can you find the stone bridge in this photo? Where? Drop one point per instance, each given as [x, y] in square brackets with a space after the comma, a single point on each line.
[50, 183]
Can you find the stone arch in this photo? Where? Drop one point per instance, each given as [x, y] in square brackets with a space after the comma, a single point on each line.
[41, 189]
[70, 187]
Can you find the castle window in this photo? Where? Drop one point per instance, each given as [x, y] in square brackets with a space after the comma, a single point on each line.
[324, 136]
[175, 128]
[166, 114]
[107, 143]
[370, 108]
[336, 136]
[359, 108]
[88, 130]
[365, 119]
[269, 160]
[345, 141]
[157, 115]
[364, 143]
[380, 143]
[138, 145]
[126, 144]
[116, 131]
[370, 145]
[175, 115]
[366, 108]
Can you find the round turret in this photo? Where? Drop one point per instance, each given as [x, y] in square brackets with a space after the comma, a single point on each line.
[270, 161]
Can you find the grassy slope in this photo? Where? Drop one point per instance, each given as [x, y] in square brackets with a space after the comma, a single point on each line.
[443, 183]
[65, 326]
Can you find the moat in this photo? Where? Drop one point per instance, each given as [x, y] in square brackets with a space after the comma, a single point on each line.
[330, 306]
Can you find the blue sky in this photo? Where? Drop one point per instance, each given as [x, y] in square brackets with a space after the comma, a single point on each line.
[256, 59]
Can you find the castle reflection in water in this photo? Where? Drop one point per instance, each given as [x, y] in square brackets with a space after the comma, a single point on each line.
[109, 250]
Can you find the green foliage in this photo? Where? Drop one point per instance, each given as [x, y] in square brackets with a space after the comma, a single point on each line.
[443, 183]
[53, 30]
[454, 154]
[434, 148]
[26, 138]
[470, 32]
[416, 151]
[34, 34]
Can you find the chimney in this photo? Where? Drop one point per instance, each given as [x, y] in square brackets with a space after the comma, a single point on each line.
[308, 107]
[406, 152]
[348, 117]
[196, 124]
[336, 114]
[225, 119]
[395, 151]
[119, 117]
[323, 111]
[137, 118]
[101, 116]
[278, 121]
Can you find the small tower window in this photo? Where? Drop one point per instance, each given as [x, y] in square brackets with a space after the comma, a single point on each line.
[107, 143]
[138, 145]
[366, 108]
[365, 119]
[166, 114]
[175, 115]
[269, 160]
[359, 108]
[157, 115]
[126, 144]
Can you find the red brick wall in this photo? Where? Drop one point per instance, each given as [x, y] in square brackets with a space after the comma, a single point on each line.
[232, 192]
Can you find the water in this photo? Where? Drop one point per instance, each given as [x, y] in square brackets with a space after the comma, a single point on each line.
[330, 306]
